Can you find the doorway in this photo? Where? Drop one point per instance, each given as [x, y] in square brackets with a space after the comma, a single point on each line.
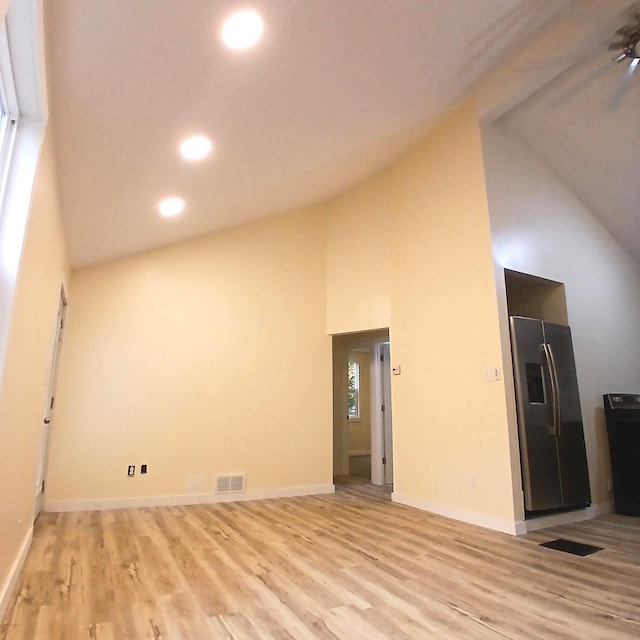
[362, 416]
[49, 406]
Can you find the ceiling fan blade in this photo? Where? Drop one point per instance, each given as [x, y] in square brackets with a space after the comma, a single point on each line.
[628, 28]
[616, 45]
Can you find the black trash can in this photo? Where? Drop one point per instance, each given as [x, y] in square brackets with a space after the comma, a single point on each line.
[622, 411]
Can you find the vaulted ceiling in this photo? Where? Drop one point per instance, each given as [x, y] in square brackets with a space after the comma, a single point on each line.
[332, 93]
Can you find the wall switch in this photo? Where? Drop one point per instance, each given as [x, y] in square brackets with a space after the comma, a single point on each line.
[395, 370]
[143, 468]
[131, 470]
[492, 374]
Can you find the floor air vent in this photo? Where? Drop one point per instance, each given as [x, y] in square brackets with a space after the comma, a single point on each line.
[569, 546]
[230, 484]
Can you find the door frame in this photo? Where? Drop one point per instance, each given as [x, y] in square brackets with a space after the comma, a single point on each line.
[381, 435]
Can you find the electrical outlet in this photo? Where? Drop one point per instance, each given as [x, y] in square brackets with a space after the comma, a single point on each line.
[143, 468]
[131, 470]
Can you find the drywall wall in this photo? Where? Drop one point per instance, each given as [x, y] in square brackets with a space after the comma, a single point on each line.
[450, 436]
[29, 346]
[208, 357]
[540, 227]
[358, 258]
[426, 267]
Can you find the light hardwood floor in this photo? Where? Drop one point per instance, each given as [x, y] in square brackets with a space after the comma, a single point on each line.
[338, 566]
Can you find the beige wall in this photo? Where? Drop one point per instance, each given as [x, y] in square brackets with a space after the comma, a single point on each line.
[358, 252]
[208, 357]
[540, 227]
[429, 273]
[449, 425]
[26, 367]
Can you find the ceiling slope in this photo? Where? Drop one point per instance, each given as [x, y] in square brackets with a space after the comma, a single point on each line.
[334, 92]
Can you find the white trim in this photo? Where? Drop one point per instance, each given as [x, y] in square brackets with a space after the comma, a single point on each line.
[557, 519]
[377, 426]
[471, 517]
[14, 573]
[26, 43]
[58, 506]
[7, 82]
[360, 452]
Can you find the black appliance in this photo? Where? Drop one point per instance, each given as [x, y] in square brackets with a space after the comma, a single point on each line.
[622, 411]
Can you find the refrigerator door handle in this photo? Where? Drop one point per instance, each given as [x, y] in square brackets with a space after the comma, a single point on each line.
[557, 419]
[552, 377]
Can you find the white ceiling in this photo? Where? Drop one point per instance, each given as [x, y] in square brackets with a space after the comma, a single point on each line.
[585, 124]
[334, 92]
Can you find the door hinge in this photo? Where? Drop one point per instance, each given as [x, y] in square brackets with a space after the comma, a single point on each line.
[384, 460]
[51, 403]
[42, 488]
[382, 408]
[381, 358]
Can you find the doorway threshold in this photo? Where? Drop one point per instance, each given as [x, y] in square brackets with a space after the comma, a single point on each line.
[356, 486]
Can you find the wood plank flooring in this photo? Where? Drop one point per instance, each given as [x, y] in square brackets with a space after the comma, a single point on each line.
[347, 566]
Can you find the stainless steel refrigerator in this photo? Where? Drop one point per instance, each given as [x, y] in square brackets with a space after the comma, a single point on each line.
[552, 449]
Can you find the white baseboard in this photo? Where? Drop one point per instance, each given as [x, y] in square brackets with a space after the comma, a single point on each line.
[360, 452]
[103, 504]
[14, 573]
[557, 519]
[471, 517]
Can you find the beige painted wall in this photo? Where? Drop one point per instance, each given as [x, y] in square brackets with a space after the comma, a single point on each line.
[26, 366]
[540, 227]
[449, 425]
[208, 357]
[427, 255]
[358, 257]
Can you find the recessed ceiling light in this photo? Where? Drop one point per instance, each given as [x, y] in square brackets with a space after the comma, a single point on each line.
[171, 207]
[196, 148]
[242, 30]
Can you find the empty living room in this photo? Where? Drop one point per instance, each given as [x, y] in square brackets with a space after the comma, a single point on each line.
[319, 319]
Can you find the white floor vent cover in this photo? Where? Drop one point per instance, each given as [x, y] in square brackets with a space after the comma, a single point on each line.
[230, 484]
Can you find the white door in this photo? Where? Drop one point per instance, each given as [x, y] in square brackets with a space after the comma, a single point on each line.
[386, 414]
[49, 406]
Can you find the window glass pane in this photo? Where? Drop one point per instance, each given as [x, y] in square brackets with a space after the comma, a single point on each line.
[353, 395]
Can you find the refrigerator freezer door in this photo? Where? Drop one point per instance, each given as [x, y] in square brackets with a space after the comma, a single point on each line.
[572, 456]
[535, 401]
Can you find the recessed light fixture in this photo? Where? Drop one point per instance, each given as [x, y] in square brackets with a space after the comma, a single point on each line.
[196, 148]
[242, 30]
[171, 207]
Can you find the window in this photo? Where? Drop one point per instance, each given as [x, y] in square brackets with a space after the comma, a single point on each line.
[8, 108]
[353, 389]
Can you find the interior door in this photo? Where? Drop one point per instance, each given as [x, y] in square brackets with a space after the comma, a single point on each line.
[572, 455]
[49, 406]
[535, 398]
